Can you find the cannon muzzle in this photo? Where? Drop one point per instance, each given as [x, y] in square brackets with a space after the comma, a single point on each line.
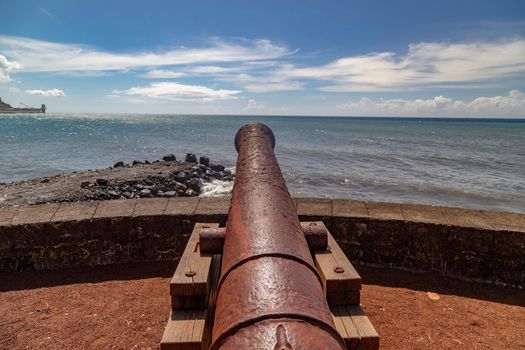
[270, 294]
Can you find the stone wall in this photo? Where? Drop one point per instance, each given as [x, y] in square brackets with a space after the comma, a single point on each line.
[470, 244]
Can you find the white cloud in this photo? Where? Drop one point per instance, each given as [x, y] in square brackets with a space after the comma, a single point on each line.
[163, 74]
[511, 105]
[5, 67]
[46, 93]
[179, 92]
[263, 82]
[261, 66]
[252, 104]
[219, 72]
[274, 86]
[44, 56]
[424, 64]
[49, 14]
[213, 69]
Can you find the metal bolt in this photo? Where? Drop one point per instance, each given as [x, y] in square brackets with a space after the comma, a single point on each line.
[190, 273]
[339, 269]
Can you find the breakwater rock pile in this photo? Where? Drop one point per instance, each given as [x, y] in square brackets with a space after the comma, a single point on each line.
[177, 183]
[167, 177]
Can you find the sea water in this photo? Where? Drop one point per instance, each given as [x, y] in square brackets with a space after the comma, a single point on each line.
[475, 163]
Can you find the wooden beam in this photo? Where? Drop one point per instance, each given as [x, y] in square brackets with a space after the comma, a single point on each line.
[345, 327]
[190, 284]
[355, 328]
[191, 329]
[369, 339]
[184, 330]
[212, 298]
[341, 282]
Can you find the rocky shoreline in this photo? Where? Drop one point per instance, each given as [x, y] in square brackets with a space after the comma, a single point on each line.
[140, 179]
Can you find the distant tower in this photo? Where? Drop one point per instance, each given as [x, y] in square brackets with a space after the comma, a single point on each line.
[43, 108]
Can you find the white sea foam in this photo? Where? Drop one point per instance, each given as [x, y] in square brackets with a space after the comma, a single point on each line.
[217, 188]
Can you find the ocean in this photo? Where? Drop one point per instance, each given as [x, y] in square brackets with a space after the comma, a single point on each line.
[471, 163]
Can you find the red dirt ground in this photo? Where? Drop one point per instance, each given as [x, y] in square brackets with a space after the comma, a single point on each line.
[126, 307]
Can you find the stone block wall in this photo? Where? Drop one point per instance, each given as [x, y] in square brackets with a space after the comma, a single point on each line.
[464, 243]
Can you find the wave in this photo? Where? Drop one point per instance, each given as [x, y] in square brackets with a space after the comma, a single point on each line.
[217, 188]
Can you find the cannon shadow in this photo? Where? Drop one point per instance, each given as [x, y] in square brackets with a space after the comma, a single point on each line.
[386, 277]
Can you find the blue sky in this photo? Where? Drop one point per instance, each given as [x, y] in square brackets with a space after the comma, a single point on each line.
[413, 58]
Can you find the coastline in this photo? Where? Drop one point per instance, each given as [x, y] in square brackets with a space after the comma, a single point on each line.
[459, 163]
[164, 178]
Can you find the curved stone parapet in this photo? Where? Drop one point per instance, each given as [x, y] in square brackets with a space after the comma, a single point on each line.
[464, 243]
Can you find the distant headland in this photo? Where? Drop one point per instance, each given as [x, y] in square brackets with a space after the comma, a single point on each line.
[8, 109]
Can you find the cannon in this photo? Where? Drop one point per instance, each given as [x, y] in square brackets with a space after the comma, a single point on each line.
[265, 288]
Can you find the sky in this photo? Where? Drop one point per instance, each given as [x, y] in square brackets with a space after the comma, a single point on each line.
[349, 58]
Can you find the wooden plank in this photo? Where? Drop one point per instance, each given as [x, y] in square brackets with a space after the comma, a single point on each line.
[198, 329]
[354, 327]
[212, 298]
[191, 329]
[341, 288]
[184, 330]
[345, 326]
[369, 339]
[190, 291]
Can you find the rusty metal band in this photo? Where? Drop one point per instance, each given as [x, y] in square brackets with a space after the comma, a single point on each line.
[276, 301]
[224, 274]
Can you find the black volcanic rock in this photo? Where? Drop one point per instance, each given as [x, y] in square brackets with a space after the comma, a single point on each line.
[217, 167]
[196, 185]
[191, 158]
[102, 182]
[204, 161]
[169, 158]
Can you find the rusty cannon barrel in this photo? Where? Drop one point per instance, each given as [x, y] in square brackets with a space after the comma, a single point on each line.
[270, 294]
